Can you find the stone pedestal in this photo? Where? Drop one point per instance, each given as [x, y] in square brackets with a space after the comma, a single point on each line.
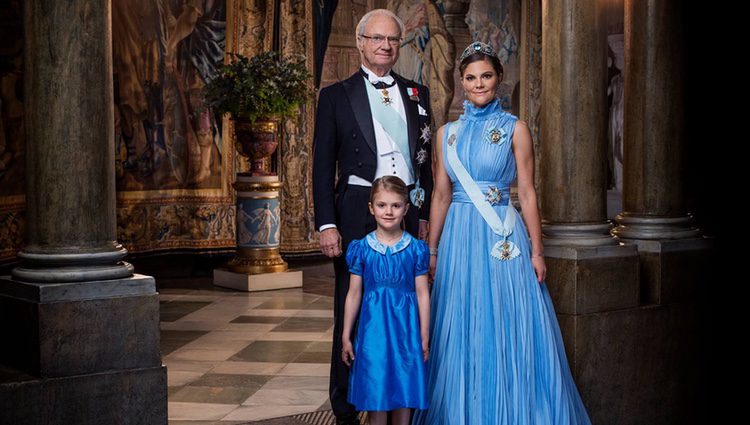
[123, 397]
[636, 366]
[584, 280]
[673, 271]
[86, 353]
[633, 363]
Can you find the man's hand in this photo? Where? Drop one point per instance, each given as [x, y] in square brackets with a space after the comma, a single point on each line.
[424, 230]
[330, 242]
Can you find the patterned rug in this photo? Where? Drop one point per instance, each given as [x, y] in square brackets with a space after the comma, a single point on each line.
[320, 417]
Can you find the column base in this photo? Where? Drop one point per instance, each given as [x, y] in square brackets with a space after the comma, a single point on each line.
[634, 226]
[66, 329]
[126, 397]
[68, 265]
[673, 270]
[592, 279]
[578, 234]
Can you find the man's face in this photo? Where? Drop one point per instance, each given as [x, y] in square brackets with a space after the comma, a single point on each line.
[380, 55]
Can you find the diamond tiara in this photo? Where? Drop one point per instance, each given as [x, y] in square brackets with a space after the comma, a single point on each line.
[478, 47]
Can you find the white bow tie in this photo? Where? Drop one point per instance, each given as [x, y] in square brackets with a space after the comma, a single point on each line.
[388, 79]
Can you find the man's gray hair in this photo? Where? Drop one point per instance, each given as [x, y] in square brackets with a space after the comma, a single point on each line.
[378, 12]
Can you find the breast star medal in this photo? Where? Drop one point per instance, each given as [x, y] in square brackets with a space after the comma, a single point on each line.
[495, 136]
[493, 195]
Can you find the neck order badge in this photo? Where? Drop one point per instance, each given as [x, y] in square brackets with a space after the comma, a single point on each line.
[386, 97]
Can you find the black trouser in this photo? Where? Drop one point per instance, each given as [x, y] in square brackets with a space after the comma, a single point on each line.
[354, 222]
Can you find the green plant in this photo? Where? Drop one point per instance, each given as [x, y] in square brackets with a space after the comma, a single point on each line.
[265, 85]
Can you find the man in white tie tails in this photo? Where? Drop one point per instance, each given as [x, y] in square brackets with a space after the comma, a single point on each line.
[372, 124]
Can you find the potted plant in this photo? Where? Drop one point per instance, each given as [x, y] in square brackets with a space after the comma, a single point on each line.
[258, 92]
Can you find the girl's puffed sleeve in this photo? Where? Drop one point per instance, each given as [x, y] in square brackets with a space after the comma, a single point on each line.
[355, 257]
[423, 258]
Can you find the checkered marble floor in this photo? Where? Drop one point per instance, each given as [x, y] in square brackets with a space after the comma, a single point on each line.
[235, 357]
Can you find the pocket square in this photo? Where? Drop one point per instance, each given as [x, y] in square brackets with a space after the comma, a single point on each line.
[421, 110]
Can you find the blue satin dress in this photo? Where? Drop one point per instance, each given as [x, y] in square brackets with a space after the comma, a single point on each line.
[388, 371]
[496, 352]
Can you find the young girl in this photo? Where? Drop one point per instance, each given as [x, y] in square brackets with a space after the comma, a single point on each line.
[387, 360]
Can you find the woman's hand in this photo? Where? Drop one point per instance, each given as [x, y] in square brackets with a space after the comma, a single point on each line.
[425, 348]
[433, 264]
[539, 267]
[347, 352]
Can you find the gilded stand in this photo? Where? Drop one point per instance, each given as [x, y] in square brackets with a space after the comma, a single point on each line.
[258, 225]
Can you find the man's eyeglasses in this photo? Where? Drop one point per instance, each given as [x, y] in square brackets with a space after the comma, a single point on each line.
[378, 39]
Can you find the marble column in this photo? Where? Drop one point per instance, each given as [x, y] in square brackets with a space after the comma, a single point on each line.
[674, 259]
[70, 186]
[573, 116]
[673, 253]
[81, 330]
[592, 279]
[654, 124]
[529, 102]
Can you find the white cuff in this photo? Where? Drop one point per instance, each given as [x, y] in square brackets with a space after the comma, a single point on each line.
[326, 226]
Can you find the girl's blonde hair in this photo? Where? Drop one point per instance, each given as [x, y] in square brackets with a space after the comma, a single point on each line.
[389, 184]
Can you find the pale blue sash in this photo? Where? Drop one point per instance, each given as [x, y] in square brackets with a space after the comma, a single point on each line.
[395, 126]
[503, 249]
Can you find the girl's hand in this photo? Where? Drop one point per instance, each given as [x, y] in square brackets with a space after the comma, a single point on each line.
[539, 267]
[347, 352]
[433, 264]
[425, 348]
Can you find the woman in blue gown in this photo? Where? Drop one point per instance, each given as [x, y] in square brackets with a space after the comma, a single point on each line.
[497, 355]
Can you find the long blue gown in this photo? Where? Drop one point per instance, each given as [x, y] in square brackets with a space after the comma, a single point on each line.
[496, 352]
[388, 371]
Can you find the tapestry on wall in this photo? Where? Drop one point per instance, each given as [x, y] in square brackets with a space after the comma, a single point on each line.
[12, 199]
[174, 158]
[427, 52]
[498, 23]
[173, 166]
[295, 167]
